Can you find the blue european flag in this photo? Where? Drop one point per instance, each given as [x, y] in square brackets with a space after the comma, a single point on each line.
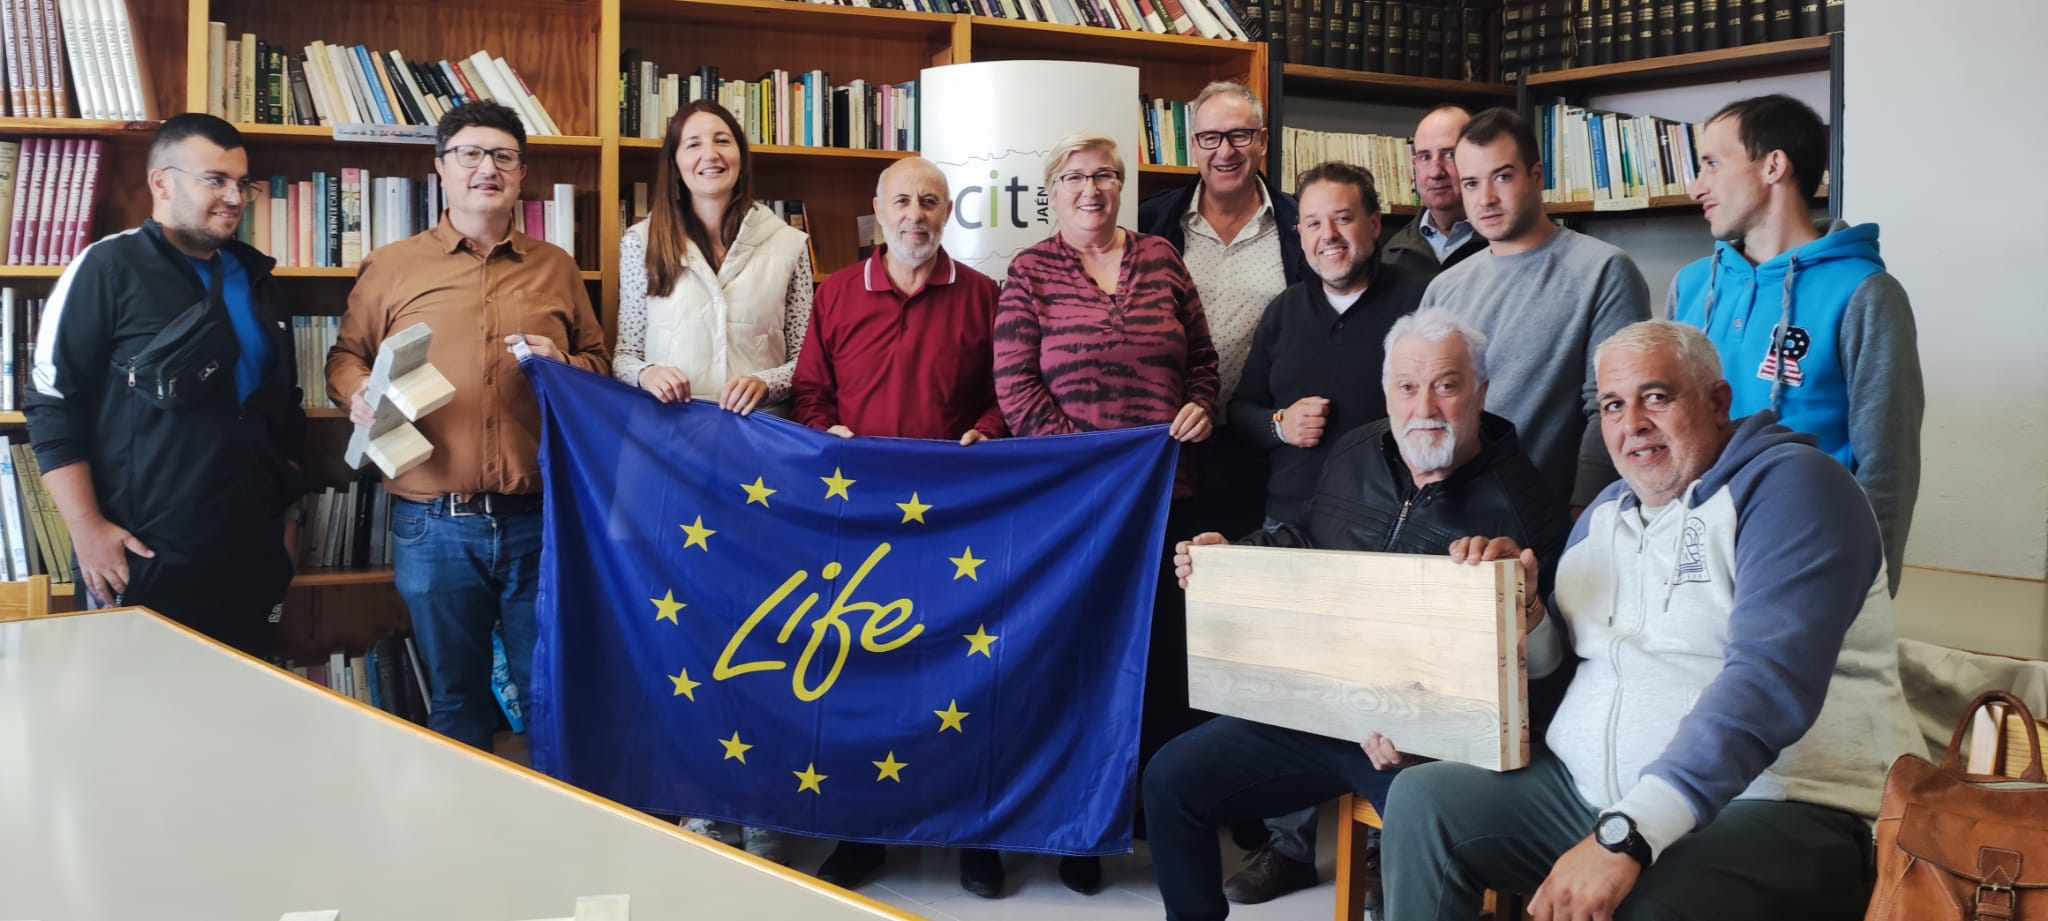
[880, 639]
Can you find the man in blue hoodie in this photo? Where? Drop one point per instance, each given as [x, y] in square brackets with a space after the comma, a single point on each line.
[1808, 324]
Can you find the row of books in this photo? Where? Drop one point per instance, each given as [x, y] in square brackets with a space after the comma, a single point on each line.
[1201, 18]
[346, 527]
[312, 337]
[335, 219]
[252, 81]
[1603, 156]
[1165, 140]
[33, 539]
[793, 109]
[20, 317]
[47, 190]
[1541, 35]
[1448, 39]
[1390, 160]
[96, 36]
[388, 676]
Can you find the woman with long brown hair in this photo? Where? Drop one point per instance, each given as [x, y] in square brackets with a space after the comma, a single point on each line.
[714, 289]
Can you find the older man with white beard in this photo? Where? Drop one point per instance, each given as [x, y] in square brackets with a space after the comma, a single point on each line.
[900, 346]
[1436, 471]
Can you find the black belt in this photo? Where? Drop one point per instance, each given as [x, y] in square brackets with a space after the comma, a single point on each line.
[483, 503]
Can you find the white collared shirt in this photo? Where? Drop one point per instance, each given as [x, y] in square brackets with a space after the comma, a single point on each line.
[1236, 280]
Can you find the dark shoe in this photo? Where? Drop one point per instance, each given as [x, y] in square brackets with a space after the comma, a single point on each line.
[981, 872]
[852, 864]
[1267, 875]
[1082, 874]
[1371, 882]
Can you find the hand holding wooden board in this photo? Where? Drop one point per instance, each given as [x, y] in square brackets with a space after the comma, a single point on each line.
[1424, 650]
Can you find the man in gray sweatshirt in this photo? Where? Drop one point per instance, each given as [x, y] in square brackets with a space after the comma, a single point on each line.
[1545, 296]
[1723, 744]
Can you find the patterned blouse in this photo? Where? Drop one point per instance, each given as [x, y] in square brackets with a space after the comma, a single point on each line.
[1070, 358]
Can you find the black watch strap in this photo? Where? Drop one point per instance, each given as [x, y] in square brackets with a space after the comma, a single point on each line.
[1633, 844]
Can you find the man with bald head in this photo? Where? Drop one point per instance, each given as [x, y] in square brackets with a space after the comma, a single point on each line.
[1439, 237]
[900, 346]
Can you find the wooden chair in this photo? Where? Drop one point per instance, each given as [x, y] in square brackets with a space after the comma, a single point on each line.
[1355, 814]
[25, 599]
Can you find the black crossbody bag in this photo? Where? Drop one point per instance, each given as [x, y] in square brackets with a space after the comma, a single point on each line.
[187, 361]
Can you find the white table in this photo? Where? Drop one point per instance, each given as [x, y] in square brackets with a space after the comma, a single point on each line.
[148, 772]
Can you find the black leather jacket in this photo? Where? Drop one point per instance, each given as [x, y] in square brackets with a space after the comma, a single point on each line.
[1367, 500]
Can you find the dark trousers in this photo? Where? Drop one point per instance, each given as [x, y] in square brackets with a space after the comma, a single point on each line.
[1454, 830]
[1166, 712]
[1229, 769]
[230, 595]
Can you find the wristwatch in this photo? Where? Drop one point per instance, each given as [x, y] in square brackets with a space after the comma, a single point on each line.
[1617, 832]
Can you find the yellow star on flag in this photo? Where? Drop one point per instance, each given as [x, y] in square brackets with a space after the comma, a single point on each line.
[980, 641]
[914, 511]
[700, 536]
[891, 768]
[735, 750]
[685, 687]
[809, 778]
[965, 565]
[757, 491]
[835, 485]
[666, 606]
[951, 717]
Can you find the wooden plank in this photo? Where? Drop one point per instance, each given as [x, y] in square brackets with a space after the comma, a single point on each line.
[1423, 650]
[1334, 82]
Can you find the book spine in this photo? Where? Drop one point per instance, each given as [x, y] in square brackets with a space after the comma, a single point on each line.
[1418, 34]
[1756, 28]
[1782, 25]
[1709, 24]
[1393, 59]
[25, 192]
[1832, 15]
[38, 67]
[1667, 27]
[11, 164]
[1811, 20]
[47, 211]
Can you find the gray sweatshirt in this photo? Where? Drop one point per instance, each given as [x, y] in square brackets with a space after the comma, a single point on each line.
[1544, 311]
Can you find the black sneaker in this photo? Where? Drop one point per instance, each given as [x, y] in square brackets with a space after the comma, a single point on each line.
[1082, 874]
[1268, 875]
[852, 864]
[981, 872]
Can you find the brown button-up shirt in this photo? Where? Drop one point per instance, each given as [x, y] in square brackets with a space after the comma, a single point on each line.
[488, 438]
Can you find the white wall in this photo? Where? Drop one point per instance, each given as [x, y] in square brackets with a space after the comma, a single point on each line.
[1945, 126]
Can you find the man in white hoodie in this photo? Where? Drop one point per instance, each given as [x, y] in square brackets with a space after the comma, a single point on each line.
[1722, 745]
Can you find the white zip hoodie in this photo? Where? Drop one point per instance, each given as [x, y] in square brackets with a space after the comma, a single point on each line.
[1737, 643]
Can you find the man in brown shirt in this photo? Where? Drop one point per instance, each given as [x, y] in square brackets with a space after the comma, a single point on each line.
[467, 523]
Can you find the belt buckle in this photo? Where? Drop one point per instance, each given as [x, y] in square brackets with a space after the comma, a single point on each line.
[455, 509]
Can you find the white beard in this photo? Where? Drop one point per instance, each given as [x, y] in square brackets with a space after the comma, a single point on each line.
[1423, 456]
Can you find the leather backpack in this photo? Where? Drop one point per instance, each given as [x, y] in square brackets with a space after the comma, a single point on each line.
[1953, 845]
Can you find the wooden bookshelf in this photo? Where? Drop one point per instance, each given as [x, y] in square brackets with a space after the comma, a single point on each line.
[16, 272]
[13, 418]
[1338, 83]
[324, 134]
[79, 127]
[322, 577]
[1797, 55]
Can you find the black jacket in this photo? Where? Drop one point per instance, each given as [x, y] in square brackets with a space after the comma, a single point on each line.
[1161, 216]
[199, 484]
[1304, 348]
[1367, 500]
[1407, 245]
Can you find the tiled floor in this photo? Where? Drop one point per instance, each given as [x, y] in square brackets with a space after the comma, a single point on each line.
[926, 882]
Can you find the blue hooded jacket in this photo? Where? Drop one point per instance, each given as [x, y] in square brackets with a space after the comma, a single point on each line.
[1777, 327]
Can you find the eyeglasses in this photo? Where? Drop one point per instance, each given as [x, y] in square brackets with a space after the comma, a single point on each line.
[470, 156]
[1101, 179]
[1238, 137]
[246, 188]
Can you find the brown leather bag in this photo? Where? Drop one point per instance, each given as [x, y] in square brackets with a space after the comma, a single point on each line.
[1952, 845]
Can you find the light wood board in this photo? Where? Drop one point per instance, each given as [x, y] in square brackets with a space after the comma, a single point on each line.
[1423, 650]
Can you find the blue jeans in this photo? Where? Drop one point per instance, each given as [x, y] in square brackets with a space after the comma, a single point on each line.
[1229, 769]
[460, 575]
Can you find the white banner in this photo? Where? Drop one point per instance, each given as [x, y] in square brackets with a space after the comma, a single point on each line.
[989, 126]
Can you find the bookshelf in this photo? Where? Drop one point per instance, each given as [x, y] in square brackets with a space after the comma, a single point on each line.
[1796, 55]
[1339, 83]
[569, 53]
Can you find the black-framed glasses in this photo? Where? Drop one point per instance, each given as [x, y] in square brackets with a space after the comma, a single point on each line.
[1101, 179]
[470, 156]
[218, 182]
[1239, 138]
